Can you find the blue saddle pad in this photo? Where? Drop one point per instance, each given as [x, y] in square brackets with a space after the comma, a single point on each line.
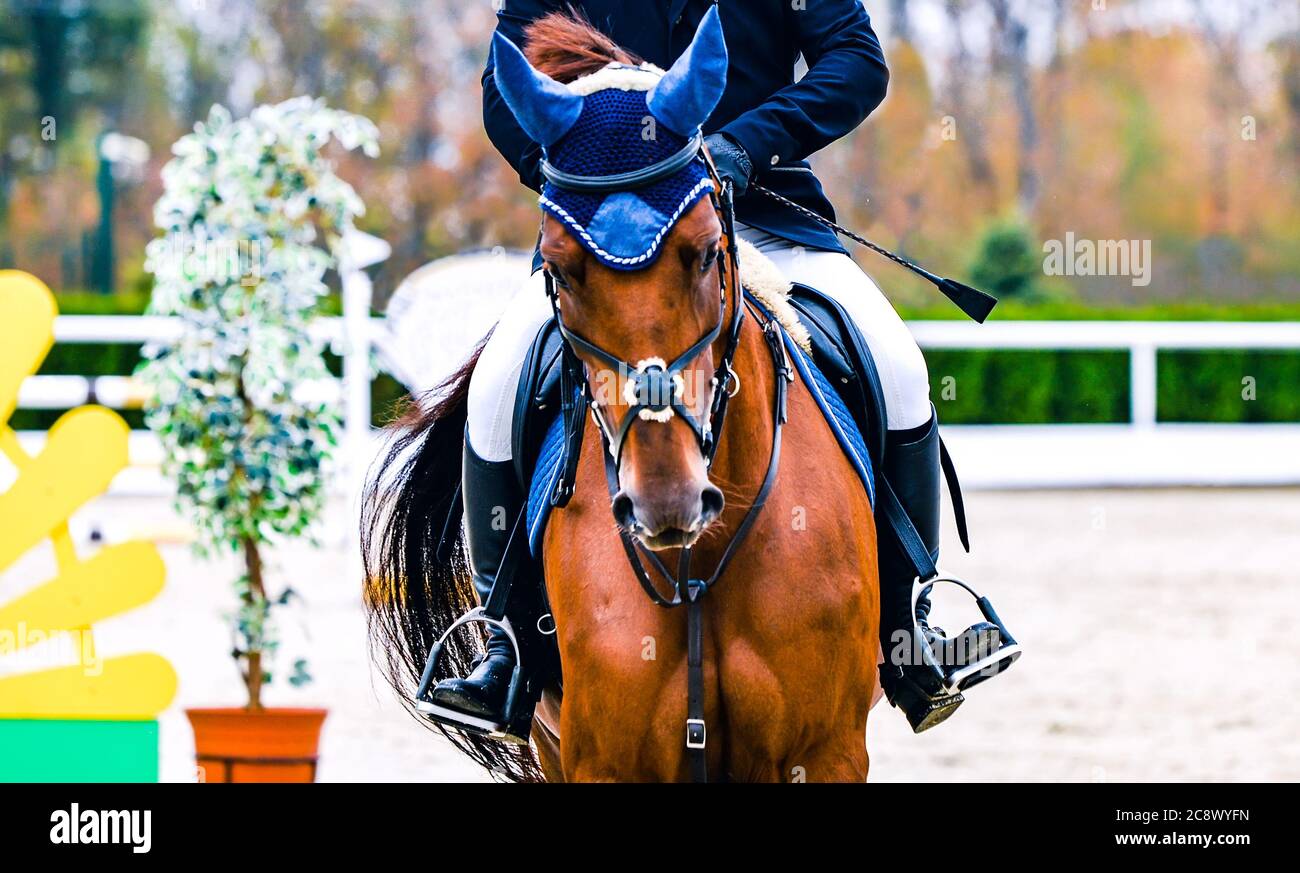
[837, 415]
[546, 473]
[550, 458]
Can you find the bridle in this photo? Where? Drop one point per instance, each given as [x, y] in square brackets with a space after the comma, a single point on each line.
[654, 391]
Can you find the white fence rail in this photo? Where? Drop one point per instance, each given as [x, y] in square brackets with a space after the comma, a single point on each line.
[1141, 452]
[1142, 340]
[125, 392]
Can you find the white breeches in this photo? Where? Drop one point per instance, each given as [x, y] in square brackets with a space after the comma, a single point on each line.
[903, 374]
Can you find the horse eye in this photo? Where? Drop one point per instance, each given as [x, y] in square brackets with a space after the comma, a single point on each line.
[710, 258]
[558, 276]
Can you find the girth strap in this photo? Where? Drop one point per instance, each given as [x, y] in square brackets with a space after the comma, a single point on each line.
[573, 408]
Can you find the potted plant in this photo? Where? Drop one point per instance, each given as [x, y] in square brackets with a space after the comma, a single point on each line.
[236, 395]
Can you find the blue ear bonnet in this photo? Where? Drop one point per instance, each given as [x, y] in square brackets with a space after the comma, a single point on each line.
[616, 133]
[619, 120]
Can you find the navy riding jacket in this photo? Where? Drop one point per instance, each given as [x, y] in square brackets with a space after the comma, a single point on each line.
[778, 121]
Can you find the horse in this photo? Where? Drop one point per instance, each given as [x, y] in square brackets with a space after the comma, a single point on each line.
[789, 633]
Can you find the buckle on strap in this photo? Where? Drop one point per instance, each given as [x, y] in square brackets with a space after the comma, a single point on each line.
[697, 735]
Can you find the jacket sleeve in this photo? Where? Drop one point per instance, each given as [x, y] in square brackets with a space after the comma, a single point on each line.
[846, 80]
[505, 133]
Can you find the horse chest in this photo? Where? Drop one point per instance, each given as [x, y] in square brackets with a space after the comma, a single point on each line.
[790, 638]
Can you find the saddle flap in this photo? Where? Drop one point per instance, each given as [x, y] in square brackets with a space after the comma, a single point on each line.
[842, 355]
[537, 398]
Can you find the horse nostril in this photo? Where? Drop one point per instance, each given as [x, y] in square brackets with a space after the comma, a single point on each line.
[711, 503]
[624, 513]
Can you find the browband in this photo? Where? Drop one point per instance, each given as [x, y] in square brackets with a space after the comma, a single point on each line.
[624, 181]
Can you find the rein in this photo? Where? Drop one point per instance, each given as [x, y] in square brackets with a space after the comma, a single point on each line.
[654, 392]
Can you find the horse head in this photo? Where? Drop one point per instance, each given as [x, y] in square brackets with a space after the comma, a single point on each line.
[633, 243]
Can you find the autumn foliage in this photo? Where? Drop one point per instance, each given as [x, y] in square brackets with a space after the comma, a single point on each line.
[1185, 133]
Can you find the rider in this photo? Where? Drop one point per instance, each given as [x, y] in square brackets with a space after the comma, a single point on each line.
[764, 128]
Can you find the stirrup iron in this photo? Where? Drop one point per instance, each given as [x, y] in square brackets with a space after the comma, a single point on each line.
[956, 680]
[463, 721]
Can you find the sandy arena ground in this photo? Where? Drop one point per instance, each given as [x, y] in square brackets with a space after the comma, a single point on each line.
[1159, 628]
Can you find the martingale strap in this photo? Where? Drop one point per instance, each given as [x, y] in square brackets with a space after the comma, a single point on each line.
[697, 730]
[689, 591]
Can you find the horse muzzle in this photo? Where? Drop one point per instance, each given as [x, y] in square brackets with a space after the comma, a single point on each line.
[668, 523]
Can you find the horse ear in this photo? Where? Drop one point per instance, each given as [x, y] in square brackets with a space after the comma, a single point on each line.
[688, 92]
[544, 108]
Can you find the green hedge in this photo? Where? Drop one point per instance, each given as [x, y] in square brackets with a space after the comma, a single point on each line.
[1028, 387]
[968, 386]
[1228, 386]
[1047, 387]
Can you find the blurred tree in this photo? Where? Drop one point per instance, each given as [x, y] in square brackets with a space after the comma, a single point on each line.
[905, 135]
[81, 55]
[1011, 54]
[966, 109]
[62, 60]
[1225, 93]
[1288, 52]
[1008, 262]
[1110, 124]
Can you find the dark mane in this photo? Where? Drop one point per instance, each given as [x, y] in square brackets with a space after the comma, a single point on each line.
[565, 46]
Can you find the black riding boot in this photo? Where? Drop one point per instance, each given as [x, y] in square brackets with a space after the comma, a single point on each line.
[492, 502]
[914, 671]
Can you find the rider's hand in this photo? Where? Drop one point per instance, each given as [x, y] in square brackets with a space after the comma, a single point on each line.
[731, 160]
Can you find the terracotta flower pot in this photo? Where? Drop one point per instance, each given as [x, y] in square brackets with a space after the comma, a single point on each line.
[270, 745]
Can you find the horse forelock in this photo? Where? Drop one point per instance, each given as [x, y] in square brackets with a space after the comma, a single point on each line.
[567, 47]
